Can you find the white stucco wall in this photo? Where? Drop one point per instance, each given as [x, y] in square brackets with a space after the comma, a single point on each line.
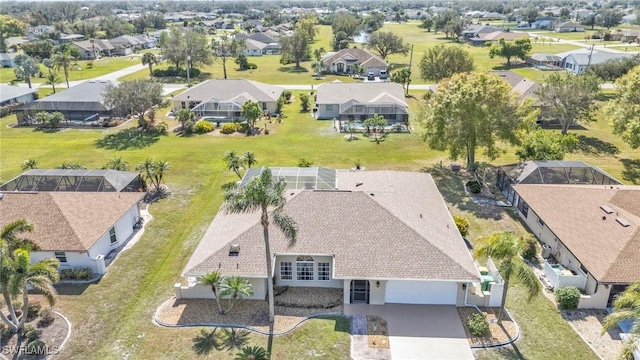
[74, 259]
[376, 293]
[324, 113]
[596, 301]
[197, 291]
[333, 283]
[124, 229]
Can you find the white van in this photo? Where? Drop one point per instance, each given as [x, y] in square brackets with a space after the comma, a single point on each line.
[383, 75]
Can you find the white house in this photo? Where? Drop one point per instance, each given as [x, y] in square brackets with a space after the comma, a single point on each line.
[12, 94]
[579, 62]
[7, 60]
[592, 234]
[351, 61]
[253, 47]
[79, 229]
[568, 26]
[381, 236]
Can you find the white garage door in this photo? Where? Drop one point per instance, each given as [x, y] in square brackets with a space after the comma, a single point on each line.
[421, 292]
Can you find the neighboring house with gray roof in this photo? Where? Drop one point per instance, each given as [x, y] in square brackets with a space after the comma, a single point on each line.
[521, 86]
[351, 61]
[382, 237]
[578, 63]
[80, 229]
[592, 233]
[568, 26]
[12, 94]
[7, 60]
[544, 61]
[221, 100]
[360, 101]
[253, 48]
[83, 102]
[94, 50]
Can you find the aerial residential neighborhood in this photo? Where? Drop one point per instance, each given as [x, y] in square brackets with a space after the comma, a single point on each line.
[336, 180]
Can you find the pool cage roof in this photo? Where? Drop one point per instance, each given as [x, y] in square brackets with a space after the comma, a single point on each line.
[559, 172]
[74, 180]
[299, 178]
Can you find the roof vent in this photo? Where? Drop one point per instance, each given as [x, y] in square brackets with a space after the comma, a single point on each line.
[359, 183]
[606, 209]
[234, 249]
[624, 222]
[1, 196]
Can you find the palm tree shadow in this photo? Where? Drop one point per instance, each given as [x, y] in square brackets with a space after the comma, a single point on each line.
[207, 341]
[128, 139]
[234, 339]
[631, 171]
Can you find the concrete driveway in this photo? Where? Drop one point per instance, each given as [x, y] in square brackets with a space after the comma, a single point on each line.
[426, 332]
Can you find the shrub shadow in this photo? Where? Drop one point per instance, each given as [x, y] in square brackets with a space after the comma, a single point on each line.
[631, 171]
[128, 139]
[206, 342]
[47, 130]
[73, 289]
[592, 145]
[293, 69]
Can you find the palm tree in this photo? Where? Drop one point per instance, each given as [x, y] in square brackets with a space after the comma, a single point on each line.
[213, 279]
[29, 164]
[626, 307]
[264, 193]
[116, 163]
[234, 162]
[235, 287]
[249, 159]
[64, 61]
[187, 120]
[17, 275]
[146, 169]
[506, 248]
[52, 79]
[149, 59]
[10, 236]
[252, 353]
[160, 166]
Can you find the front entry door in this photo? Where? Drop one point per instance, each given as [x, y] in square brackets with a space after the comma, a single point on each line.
[340, 68]
[359, 291]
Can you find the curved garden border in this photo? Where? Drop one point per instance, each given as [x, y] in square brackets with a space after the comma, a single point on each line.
[501, 343]
[66, 338]
[159, 322]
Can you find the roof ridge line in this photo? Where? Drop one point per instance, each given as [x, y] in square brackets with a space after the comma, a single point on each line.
[68, 223]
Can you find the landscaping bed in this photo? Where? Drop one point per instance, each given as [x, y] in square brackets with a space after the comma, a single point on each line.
[308, 297]
[588, 324]
[498, 333]
[377, 332]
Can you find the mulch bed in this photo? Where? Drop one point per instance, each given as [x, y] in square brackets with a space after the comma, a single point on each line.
[52, 335]
[377, 332]
[497, 332]
[308, 297]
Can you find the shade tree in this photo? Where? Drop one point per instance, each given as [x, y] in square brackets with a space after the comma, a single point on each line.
[443, 61]
[386, 43]
[623, 111]
[510, 49]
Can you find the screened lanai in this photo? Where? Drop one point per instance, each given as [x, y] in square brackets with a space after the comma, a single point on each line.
[75, 180]
[551, 172]
[218, 110]
[300, 178]
[355, 110]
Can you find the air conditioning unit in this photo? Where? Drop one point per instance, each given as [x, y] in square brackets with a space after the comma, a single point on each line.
[546, 251]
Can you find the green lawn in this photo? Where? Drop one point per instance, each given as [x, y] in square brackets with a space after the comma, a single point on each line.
[100, 67]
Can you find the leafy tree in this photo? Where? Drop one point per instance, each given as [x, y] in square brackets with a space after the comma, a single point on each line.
[403, 77]
[134, 97]
[234, 162]
[589, 20]
[252, 353]
[171, 47]
[377, 123]
[426, 24]
[38, 49]
[116, 163]
[213, 279]
[340, 41]
[387, 43]
[10, 27]
[540, 144]
[307, 26]
[505, 248]
[455, 27]
[443, 61]
[249, 159]
[150, 60]
[373, 22]
[63, 61]
[67, 48]
[235, 287]
[626, 307]
[227, 46]
[531, 13]
[196, 48]
[187, 120]
[623, 111]
[242, 62]
[295, 48]
[29, 164]
[568, 98]
[251, 112]
[442, 19]
[472, 110]
[25, 68]
[264, 193]
[345, 22]
[613, 69]
[304, 102]
[510, 49]
[610, 18]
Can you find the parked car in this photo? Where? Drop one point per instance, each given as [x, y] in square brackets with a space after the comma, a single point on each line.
[371, 76]
[383, 75]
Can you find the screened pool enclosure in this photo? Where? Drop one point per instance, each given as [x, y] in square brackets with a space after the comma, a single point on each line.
[75, 180]
[299, 178]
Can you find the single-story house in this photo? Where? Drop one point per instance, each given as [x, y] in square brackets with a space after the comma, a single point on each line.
[145, 41]
[578, 63]
[94, 50]
[221, 100]
[344, 242]
[475, 30]
[40, 29]
[351, 61]
[496, 36]
[544, 61]
[360, 101]
[541, 24]
[253, 47]
[568, 26]
[591, 236]
[625, 35]
[124, 45]
[83, 102]
[79, 229]
[12, 94]
[523, 87]
[75, 180]
[7, 60]
[630, 18]
[69, 38]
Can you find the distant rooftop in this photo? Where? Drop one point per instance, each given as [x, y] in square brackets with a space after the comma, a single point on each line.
[559, 172]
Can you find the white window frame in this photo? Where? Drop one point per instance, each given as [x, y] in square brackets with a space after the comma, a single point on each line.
[305, 263]
[61, 256]
[283, 268]
[324, 271]
[113, 236]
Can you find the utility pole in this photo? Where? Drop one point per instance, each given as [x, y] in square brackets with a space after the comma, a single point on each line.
[410, 62]
[188, 65]
[589, 58]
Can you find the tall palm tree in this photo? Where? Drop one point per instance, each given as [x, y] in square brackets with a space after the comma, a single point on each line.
[10, 236]
[234, 162]
[249, 158]
[149, 59]
[64, 61]
[506, 249]
[235, 287]
[626, 307]
[264, 193]
[213, 279]
[17, 275]
[160, 166]
[29, 164]
[252, 353]
[52, 79]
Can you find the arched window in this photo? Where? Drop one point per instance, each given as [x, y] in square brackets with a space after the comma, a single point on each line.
[304, 258]
[304, 268]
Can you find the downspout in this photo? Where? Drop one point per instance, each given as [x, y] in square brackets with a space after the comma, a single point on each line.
[466, 294]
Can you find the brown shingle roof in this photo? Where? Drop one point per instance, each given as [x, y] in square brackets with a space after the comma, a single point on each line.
[227, 89]
[66, 221]
[402, 231]
[363, 56]
[609, 251]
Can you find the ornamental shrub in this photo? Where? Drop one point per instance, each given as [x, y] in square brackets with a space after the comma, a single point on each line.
[474, 187]
[568, 297]
[37, 347]
[530, 248]
[463, 225]
[478, 325]
[76, 274]
[228, 128]
[203, 127]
